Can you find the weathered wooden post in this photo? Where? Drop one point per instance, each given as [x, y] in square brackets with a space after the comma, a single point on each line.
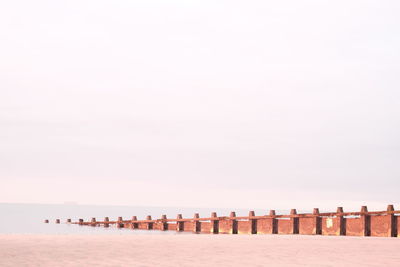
[366, 221]
[149, 224]
[393, 222]
[253, 223]
[341, 221]
[106, 222]
[164, 224]
[197, 224]
[135, 225]
[93, 222]
[57, 221]
[295, 221]
[179, 224]
[274, 221]
[318, 222]
[68, 220]
[46, 221]
[80, 221]
[234, 223]
[214, 223]
[120, 223]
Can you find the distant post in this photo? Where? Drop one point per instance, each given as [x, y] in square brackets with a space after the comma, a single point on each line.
[180, 226]
[234, 223]
[196, 223]
[214, 223]
[253, 223]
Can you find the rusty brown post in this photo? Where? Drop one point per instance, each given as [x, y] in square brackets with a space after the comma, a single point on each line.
[214, 223]
[80, 221]
[253, 223]
[46, 221]
[120, 223]
[93, 222]
[197, 224]
[341, 221]
[179, 224]
[295, 222]
[149, 224]
[366, 221]
[106, 220]
[393, 221]
[57, 221]
[68, 220]
[164, 224]
[274, 222]
[318, 222]
[234, 223]
[135, 225]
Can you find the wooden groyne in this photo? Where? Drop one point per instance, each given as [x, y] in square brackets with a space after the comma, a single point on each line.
[363, 223]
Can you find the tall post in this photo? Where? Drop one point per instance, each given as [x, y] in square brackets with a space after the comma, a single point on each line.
[164, 224]
[120, 223]
[197, 224]
[393, 222]
[179, 224]
[318, 222]
[149, 224]
[274, 221]
[253, 223]
[134, 223]
[366, 221]
[214, 223]
[234, 223]
[341, 221]
[295, 222]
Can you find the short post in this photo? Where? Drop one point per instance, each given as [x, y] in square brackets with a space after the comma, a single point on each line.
[46, 221]
[274, 221]
[149, 224]
[179, 224]
[341, 221]
[57, 221]
[134, 223]
[93, 222]
[120, 223]
[80, 221]
[164, 224]
[214, 223]
[234, 223]
[318, 222]
[295, 221]
[197, 224]
[393, 223]
[106, 220]
[253, 222]
[68, 220]
[366, 221]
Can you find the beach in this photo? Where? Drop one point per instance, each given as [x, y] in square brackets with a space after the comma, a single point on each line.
[196, 250]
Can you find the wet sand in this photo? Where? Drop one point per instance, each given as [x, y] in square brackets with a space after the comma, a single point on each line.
[197, 250]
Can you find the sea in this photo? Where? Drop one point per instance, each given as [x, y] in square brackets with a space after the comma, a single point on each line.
[18, 218]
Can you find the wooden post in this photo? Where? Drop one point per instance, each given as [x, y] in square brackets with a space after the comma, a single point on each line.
[106, 220]
[341, 221]
[274, 222]
[46, 221]
[318, 222]
[135, 225]
[179, 224]
[80, 221]
[214, 223]
[164, 224]
[68, 220]
[197, 224]
[295, 222]
[366, 221]
[120, 223]
[234, 223]
[57, 221]
[93, 222]
[253, 223]
[393, 222]
[149, 224]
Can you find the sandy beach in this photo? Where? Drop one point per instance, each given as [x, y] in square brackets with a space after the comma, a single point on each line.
[197, 250]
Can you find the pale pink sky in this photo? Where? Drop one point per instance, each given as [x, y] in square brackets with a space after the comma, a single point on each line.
[200, 103]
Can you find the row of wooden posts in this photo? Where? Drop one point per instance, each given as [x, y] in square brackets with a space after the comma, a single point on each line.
[362, 223]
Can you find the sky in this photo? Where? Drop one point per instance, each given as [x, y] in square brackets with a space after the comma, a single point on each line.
[246, 104]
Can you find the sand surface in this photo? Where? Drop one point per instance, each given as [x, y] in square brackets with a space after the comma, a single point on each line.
[197, 250]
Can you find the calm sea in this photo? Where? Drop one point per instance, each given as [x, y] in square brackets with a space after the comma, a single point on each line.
[29, 218]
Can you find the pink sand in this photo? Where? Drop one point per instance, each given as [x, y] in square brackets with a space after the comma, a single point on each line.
[197, 250]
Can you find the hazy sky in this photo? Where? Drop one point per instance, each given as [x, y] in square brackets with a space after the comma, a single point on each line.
[250, 104]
